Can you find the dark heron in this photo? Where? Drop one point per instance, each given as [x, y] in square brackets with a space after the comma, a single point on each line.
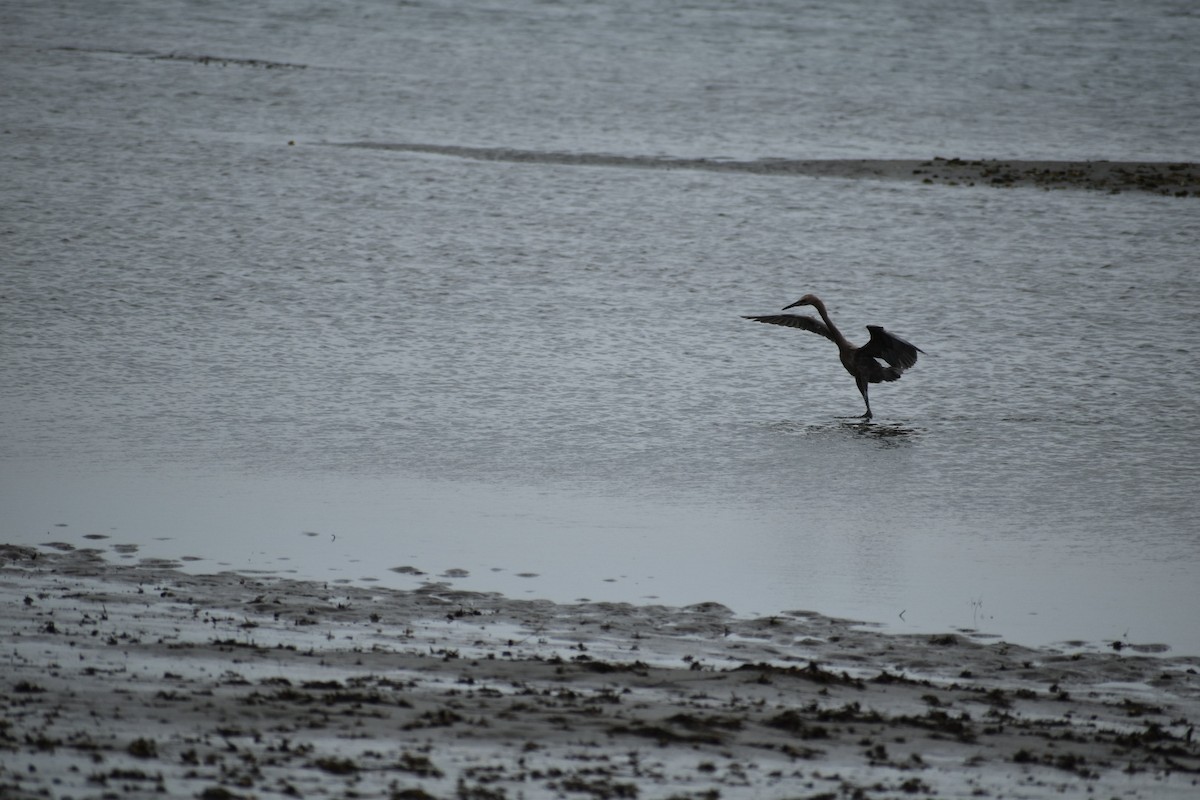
[861, 362]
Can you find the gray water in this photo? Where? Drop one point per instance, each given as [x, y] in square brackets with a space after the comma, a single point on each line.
[533, 377]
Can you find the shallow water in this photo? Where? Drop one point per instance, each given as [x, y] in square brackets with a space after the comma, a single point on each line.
[216, 343]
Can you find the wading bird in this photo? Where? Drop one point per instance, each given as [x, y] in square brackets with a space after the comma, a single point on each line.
[861, 362]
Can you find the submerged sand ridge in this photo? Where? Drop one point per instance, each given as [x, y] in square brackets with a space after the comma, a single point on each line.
[1175, 179]
[131, 681]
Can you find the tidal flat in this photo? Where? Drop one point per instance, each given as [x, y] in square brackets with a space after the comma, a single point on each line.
[140, 680]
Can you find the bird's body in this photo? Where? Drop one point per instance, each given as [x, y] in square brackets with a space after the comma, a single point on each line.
[863, 363]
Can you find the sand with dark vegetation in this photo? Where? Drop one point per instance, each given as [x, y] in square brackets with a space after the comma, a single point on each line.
[143, 681]
[1178, 179]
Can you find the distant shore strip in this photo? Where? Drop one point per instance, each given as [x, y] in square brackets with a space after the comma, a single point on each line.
[1174, 179]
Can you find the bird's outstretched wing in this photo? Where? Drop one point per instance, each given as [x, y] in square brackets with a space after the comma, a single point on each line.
[891, 348]
[797, 321]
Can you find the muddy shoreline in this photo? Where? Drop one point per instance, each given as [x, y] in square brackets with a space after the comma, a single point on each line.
[140, 680]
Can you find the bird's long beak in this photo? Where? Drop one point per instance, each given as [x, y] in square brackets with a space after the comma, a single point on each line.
[793, 305]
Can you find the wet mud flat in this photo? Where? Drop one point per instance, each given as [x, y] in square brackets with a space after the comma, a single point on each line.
[140, 681]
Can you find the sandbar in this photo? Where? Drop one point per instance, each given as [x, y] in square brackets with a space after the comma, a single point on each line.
[1168, 178]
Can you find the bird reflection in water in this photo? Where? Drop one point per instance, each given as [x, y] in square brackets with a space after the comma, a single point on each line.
[887, 433]
[892, 433]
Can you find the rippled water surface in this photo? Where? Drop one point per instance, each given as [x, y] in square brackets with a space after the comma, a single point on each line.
[341, 361]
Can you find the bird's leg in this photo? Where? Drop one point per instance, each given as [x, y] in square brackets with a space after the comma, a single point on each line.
[862, 387]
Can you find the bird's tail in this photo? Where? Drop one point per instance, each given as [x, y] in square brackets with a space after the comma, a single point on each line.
[885, 374]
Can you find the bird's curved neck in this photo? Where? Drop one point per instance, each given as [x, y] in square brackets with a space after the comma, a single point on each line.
[833, 329]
